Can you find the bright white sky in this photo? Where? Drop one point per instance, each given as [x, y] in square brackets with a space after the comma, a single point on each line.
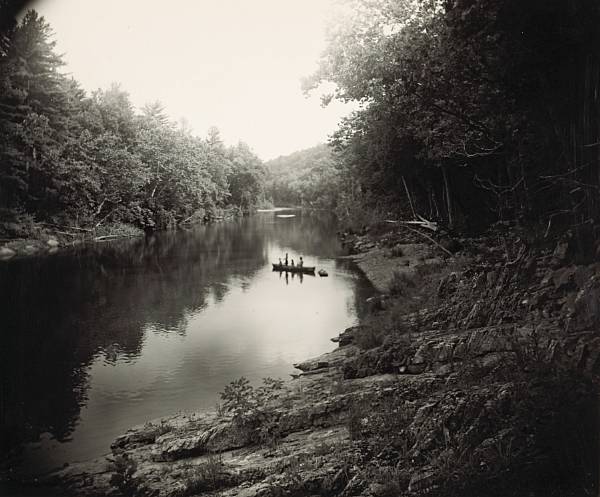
[234, 64]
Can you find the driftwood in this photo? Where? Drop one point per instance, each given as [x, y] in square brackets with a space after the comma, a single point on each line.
[186, 219]
[87, 230]
[423, 223]
[106, 237]
[430, 239]
[112, 237]
[104, 218]
[99, 209]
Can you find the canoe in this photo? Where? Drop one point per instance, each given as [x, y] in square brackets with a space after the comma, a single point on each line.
[293, 269]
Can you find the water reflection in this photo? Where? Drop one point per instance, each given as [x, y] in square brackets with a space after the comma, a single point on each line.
[101, 338]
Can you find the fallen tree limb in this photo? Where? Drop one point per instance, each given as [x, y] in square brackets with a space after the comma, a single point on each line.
[430, 239]
[424, 223]
[112, 237]
[104, 218]
[87, 230]
[186, 219]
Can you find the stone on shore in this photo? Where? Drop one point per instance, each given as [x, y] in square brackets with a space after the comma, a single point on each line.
[6, 253]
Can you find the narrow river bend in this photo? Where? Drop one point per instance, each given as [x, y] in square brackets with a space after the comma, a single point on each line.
[97, 340]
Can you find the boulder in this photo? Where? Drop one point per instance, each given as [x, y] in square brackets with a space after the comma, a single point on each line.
[312, 365]
[347, 336]
[173, 446]
[6, 253]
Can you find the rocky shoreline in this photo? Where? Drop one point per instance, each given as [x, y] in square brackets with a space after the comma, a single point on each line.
[474, 375]
[41, 239]
[50, 242]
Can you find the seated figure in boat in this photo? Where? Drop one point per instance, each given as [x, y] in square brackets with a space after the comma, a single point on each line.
[300, 263]
[292, 262]
[286, 259]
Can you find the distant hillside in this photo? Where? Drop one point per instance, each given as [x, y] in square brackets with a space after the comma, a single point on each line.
[307, 177]
[300, 160]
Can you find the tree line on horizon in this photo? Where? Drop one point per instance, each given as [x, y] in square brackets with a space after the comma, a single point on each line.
[307, 178]
[72, 158]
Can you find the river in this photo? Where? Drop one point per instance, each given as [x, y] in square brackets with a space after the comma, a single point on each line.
[97, 339]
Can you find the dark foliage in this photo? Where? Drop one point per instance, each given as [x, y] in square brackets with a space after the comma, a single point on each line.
[87, 159]
[472, 110]
[308, 178]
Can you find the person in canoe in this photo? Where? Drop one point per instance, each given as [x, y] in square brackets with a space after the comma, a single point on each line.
[280, 261]
[292, 262]
[286, 259]
[300, 263]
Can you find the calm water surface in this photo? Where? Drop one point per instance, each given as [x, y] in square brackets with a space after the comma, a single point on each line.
[95, 341]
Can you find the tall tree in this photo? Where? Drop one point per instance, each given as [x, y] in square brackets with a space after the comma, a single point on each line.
[246, 177]
[468, 105]
[34, 116]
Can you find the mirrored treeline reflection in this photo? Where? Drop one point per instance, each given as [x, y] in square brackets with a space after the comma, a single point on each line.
[97, 339]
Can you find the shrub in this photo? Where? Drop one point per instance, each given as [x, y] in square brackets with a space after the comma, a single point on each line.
[158, 429]
[369, 337]
[355, 216]
[117, 229]
[396, 251]
[18, 224]
[400, 283]
[123, 478]
[390, 481]
[207, 476]
[252, 410]
[357, 420]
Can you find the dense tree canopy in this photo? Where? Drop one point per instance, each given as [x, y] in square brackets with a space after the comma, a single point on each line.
[471, 110]
[307, 178]
[69, 157]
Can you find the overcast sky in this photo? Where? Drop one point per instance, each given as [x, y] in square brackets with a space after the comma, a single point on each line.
[234, 64]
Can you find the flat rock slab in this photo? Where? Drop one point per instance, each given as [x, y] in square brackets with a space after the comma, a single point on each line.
[379, 266]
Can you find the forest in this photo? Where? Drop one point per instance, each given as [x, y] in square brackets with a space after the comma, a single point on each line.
[69, 158]
[307, 178]
[473, 365]
[471, 111]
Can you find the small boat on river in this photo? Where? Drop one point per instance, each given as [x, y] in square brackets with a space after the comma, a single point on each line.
[294, 269]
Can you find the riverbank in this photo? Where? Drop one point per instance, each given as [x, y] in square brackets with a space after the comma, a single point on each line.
[473, 375]
[38, 239]
[50, 239]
